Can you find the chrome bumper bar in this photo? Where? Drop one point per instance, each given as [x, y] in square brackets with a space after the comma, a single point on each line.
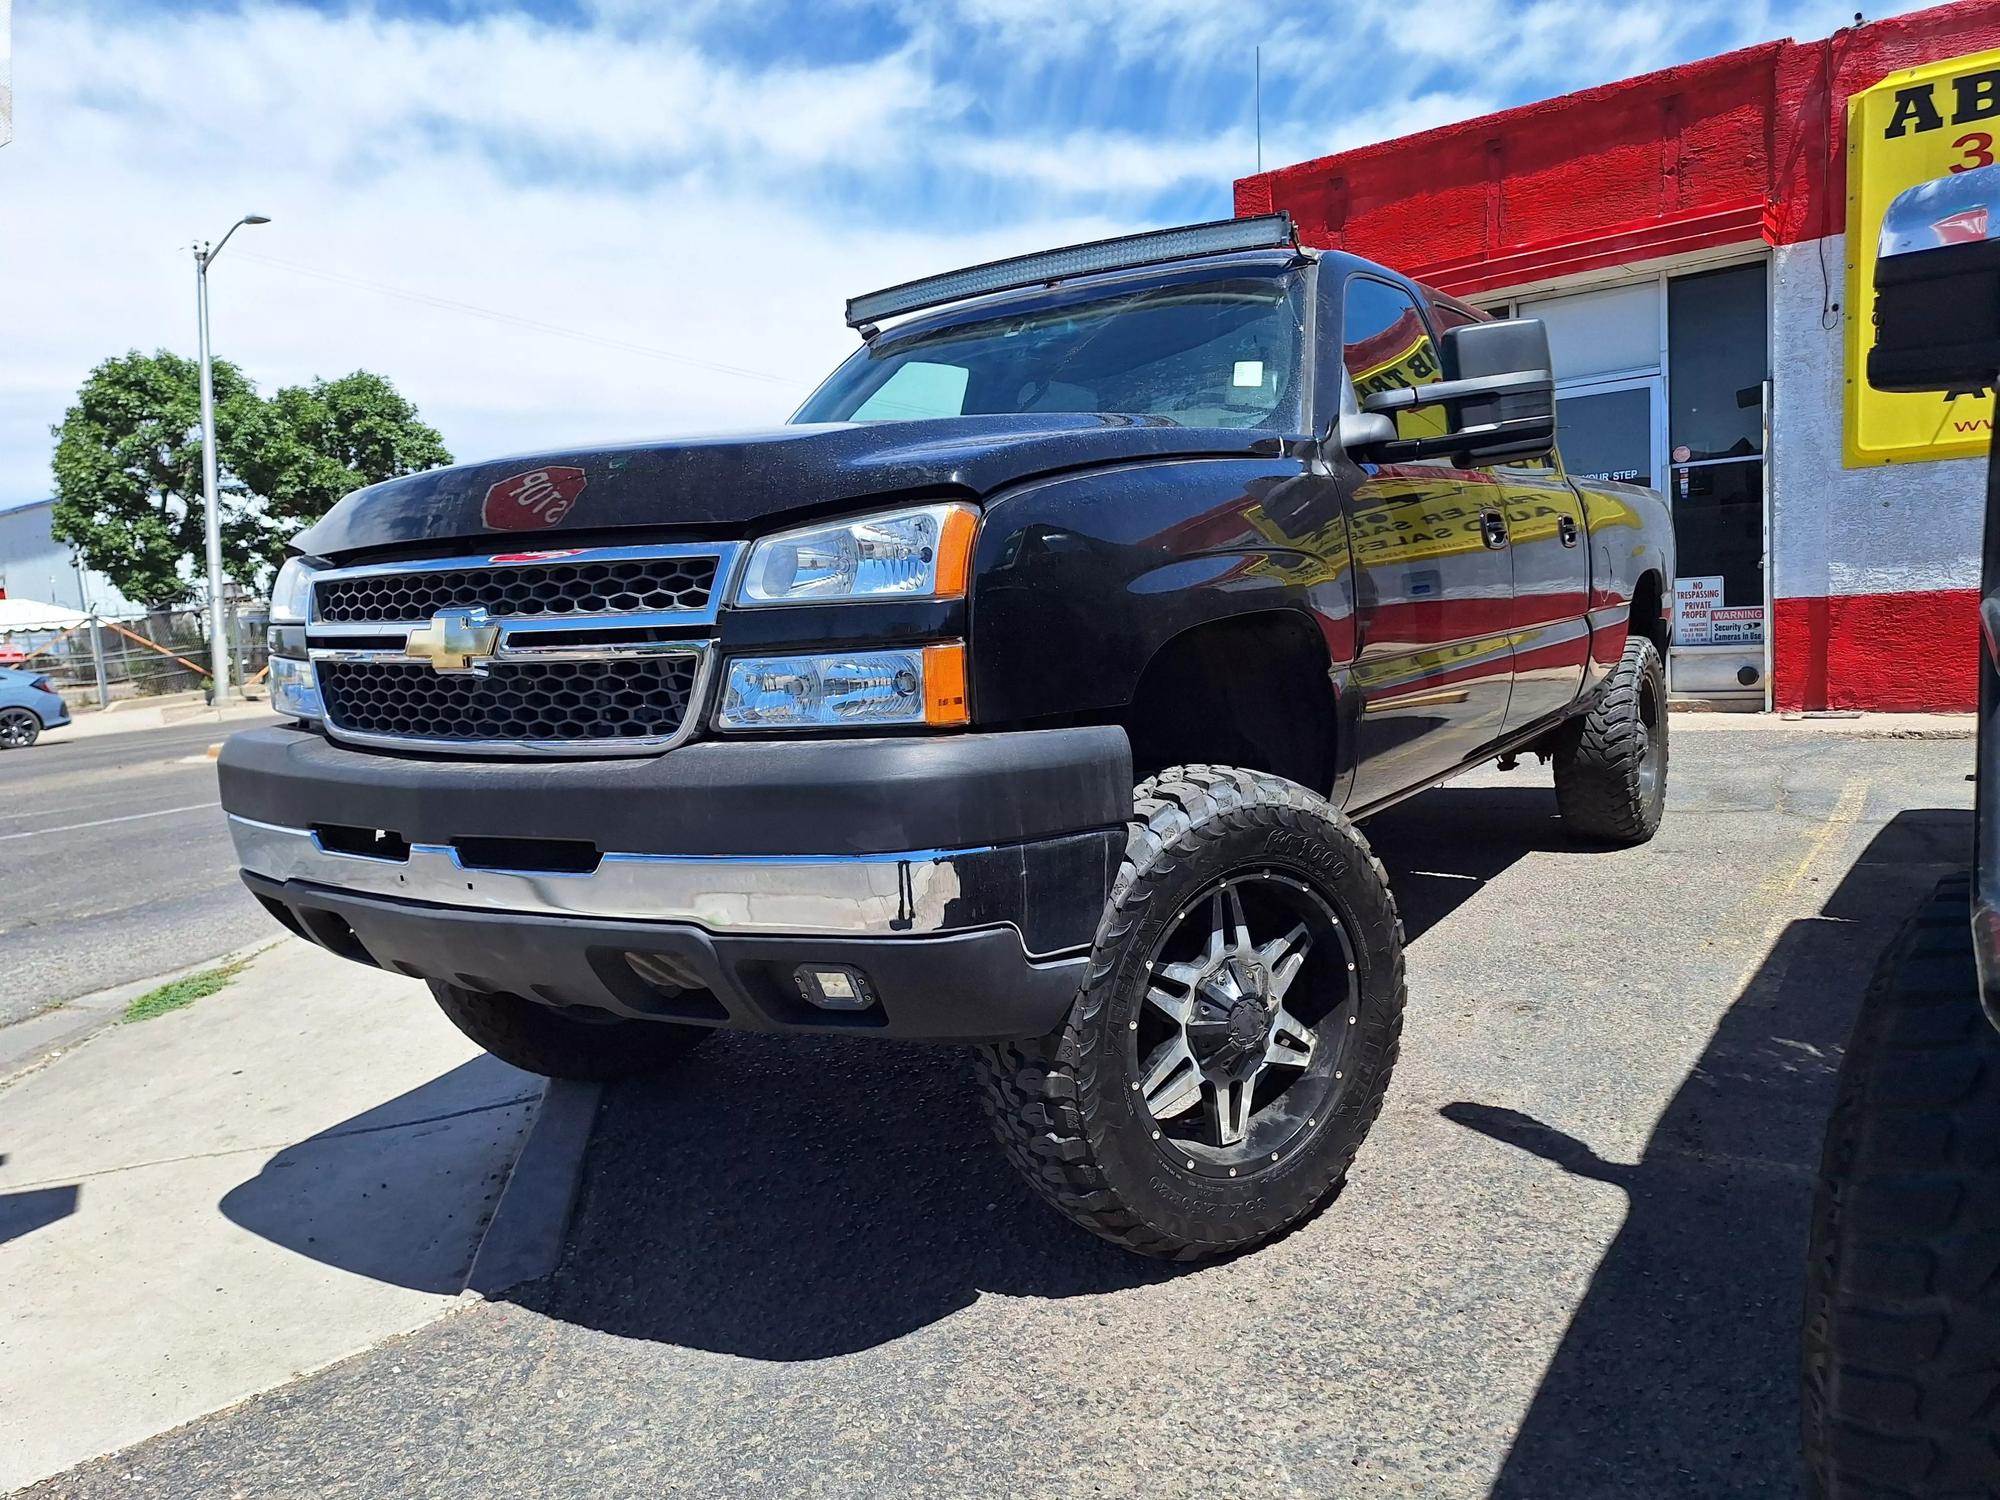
[923, 891]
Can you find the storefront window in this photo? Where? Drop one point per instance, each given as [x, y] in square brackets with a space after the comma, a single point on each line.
[1607, 434]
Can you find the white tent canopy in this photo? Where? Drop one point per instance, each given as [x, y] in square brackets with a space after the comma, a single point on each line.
[32, 614]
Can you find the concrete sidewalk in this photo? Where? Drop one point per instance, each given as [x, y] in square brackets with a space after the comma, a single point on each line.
[131, 716]
[201, 1206]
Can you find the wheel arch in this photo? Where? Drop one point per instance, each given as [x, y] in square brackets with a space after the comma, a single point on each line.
[1254, 690]
[1648, 615]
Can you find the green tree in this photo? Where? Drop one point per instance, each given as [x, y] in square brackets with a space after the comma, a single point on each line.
[128, 466]
[318, 442]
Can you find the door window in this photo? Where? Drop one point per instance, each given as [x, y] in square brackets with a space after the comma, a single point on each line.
[1387, 347]
[1716, 364]
[1719, 528]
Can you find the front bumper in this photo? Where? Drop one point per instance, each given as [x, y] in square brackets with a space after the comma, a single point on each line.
[962, 876]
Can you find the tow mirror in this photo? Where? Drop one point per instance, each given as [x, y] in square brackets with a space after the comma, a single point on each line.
[1498, 394]
[1937, 287]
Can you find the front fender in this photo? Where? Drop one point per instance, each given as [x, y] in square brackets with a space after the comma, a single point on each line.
[1079, 579]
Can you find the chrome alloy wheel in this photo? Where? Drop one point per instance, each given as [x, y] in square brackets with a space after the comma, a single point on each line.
[1652, 743]
[1241, 1039]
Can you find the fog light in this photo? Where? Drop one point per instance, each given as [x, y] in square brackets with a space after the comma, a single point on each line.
[835, 987]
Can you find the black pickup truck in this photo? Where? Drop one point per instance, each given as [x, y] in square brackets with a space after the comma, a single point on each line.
[1021, 692]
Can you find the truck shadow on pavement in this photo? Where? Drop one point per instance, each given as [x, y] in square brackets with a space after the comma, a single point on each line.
[386, 1193]
[796, 1199]
[1678, 1373]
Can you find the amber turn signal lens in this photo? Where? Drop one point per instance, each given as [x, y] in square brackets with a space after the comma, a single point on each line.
[954, 559]
[944, 686]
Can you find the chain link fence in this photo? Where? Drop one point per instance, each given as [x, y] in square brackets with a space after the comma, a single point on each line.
[151, 655]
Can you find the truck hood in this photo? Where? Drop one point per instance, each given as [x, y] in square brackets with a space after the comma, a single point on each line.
[737, 485]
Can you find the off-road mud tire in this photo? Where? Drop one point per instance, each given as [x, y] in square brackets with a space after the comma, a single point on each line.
[1901, 1388]
[1602, 755]
[1061, 1105]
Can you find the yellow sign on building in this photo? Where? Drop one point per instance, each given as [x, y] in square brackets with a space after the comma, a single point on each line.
[1912, 126]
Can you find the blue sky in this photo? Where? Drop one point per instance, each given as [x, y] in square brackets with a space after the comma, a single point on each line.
[670, 201]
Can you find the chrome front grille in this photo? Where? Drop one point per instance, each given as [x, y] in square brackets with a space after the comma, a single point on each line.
[585, 651]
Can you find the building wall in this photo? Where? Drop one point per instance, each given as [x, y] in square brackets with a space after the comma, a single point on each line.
[34, 565]
[1873, 569]
[1876, 570]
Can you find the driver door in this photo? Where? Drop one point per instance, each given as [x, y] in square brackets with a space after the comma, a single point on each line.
[1433, 574]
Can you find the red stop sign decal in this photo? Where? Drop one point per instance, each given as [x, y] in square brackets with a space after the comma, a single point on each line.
[535, 500]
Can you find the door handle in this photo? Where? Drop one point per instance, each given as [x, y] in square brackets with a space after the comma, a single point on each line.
[1566, 528]
[1493, 528]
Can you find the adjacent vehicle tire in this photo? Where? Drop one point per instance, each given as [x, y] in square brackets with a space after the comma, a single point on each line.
[1234, 1036]
[1902, 1326]
[1611, 761]
[565, 1044]
[19, 728]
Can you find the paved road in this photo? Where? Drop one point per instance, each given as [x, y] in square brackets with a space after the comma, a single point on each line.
[1566, 1264]
[114, 864]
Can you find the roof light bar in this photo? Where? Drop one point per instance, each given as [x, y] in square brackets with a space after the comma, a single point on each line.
[1223, 237]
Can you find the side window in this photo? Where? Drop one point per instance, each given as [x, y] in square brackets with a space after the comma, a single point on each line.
[917, 389]
[1445, 316]
[1387, 346]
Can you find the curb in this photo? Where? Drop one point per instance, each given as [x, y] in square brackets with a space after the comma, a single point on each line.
[1853, 727]
[524, 1239]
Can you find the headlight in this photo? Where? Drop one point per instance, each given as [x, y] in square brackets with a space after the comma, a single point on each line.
[922, 553]
[291, 593]
[922, 685]
[295, 689]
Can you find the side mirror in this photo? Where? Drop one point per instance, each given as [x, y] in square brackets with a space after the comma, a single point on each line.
[1498, 393]
[1937, 287]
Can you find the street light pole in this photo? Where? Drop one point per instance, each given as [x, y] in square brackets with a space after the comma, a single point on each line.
[218, 637]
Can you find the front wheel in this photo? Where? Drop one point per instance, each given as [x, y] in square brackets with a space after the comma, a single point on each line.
[1611, 760]
[1233, 1040]
[558, 1044]
[19, 728]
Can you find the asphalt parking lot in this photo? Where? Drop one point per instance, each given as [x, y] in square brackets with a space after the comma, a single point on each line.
[1566, 1264]
[115, 864]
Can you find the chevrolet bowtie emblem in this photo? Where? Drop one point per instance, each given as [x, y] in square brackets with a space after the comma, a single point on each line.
[455, 640]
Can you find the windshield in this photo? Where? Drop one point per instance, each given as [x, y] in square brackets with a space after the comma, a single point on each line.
[1218, 353]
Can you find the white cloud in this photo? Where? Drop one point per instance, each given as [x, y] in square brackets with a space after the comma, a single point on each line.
[672, 208]
[637, 179]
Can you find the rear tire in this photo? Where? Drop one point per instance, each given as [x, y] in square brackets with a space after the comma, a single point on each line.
[1611, 760]
[19, 728]
[541, 1039]
[1234, 1036]
[1902, 1317]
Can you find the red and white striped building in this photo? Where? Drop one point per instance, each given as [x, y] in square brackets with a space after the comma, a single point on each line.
[1684, 234]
